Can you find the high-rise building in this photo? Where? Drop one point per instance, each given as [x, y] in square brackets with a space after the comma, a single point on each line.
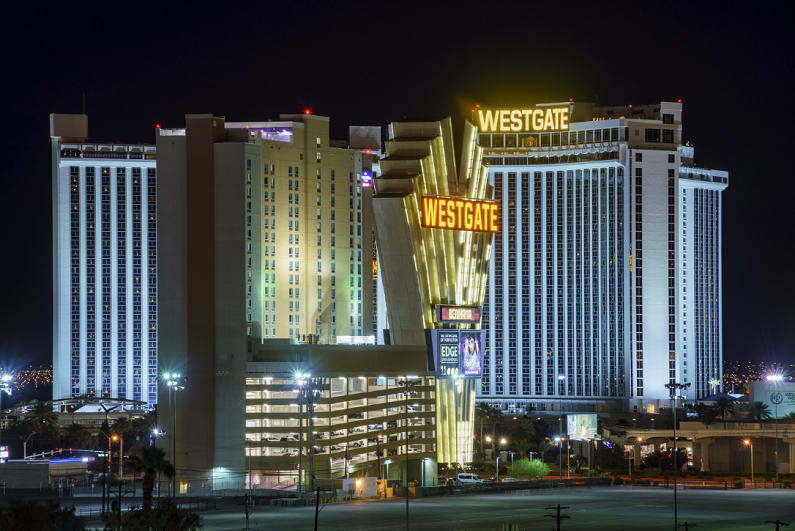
[266, 234]
[104, 200]
[592, 279]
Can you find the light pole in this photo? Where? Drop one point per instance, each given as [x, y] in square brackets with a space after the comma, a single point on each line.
[672, 388]
[155, 433]
[497, 468]
[559, 440]
[5, 387]
[25, 445]
[300, 381]
[776, 398]
[173, 383]
[407, 393]
[106, 469]
[561, 378]
[749, 442]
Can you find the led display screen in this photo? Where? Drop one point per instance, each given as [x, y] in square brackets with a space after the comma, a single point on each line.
[457, 314]
[367, 179]
[471, 365]
[458, 353]
[581, 426]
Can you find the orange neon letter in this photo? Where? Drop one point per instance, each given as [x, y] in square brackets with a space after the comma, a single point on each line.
[478, 220]
[442, 213]
[468, 215]
[493, 218]
[460, 222]
[451, 214]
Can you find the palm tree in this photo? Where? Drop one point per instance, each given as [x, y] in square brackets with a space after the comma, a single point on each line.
[542, 446]
[790, 415]
[150, 461]
[759, 411]
[522, 430]
[724, 405]
[142, 427]
[522, 447]
[43, 414]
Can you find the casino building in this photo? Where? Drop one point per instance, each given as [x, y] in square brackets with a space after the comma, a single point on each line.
[606, 279]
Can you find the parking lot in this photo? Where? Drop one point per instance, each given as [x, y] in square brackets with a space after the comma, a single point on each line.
[601, 508]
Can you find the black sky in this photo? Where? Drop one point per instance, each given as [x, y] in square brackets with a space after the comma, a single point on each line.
[370, 63]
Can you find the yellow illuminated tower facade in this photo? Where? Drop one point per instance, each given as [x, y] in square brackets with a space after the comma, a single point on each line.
[434, 228]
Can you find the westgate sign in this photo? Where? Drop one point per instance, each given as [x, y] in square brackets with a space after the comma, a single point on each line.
[504, 121]
[456, 213]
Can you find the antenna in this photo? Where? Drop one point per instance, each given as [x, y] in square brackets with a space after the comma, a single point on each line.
[84, 102]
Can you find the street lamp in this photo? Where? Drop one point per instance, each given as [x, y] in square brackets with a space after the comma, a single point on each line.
[157, 432]
[750, 443]
[407, 393]
[25, 445]
[561, 378]
[672, 388]
[776, 398]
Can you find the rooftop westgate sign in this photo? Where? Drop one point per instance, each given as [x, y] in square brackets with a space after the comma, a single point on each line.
[547, 119]
[457, 213]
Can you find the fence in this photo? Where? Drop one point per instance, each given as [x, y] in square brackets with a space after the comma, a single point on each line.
[192, 506]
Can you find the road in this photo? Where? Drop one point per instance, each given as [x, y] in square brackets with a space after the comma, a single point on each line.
[599, 509]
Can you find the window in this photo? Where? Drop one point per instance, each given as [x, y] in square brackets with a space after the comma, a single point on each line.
[333, 294]
[638, 157]
[318, 141]
[296, 168]
[332, 178]
[319, 280]
[273, 171]
[290, 174]
[653, 135]
[671, 159]
[318, 200]
[296, 187]
[318, 213]
[333, 228]
[668, 118]
[320, 267]
[350, 179]
[351, 190]
[318, 156]
[318, 226]
[333, 241]
[333, 214]
[668, 136]
[318, 175]
[333, 280]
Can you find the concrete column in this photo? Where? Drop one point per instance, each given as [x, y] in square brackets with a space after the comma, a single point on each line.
[636, 462]
[791, 442]
[705, 442]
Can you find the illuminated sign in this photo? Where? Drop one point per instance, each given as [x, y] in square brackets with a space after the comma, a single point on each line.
[547, 119]
[367, 179]
[457, 354]
[459, 214]
[581, 426]
[4, 453]
[457, 314]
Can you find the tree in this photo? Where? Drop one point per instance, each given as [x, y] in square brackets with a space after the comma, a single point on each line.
[524, 468]
[609, 455]
[541, 431]
[150, 461]
[522, 430]
[142, 428]
[484, 412]
[543, 446]
[623, 423]
[790, 415]
[578, 461]
[522, 447]
[724, 405]
[165, 517]
[42, 414]
[21, 515]
[759, 411]
[707, 417]
[76, 436]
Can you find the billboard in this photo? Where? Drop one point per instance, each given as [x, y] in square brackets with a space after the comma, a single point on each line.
[581, 426]
[449, 354]
[779, 396]
[471, 360]
[458, 353]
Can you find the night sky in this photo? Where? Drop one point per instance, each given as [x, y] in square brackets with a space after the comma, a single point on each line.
[371, 63]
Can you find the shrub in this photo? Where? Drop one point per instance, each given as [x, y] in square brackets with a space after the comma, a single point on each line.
[787, 484]
[653, 473]
[738, 485]
[618, 481]
[593, 474]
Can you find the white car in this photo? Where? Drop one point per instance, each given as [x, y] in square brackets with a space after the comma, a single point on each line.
[270, 439]
[413, 450]
[508, 480]
[469, 478]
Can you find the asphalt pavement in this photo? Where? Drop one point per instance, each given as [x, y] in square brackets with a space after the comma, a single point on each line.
[607, 508]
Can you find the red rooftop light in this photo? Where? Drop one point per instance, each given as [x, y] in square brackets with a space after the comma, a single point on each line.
[158, 126]
[630, 105]
[306, 111]
[571, 99]
[678, 101]
[477, 106]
